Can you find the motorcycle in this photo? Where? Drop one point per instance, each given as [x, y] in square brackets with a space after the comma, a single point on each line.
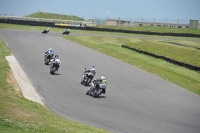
[66, 32]
[96, 90]
[54, 66]
[48, 58]
[45, 31]
[87, 78]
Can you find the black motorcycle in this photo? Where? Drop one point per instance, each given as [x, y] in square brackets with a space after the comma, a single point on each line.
[54, 67]
[66, 32]
[45, 31]
[96, 90]
[87, 78]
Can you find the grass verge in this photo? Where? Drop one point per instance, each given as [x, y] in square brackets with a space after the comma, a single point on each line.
[180, 76]
[182, 53]
[19, 115]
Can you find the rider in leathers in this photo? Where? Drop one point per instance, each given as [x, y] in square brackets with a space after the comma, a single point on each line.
[99, 81]
[49, 51]
[92, 70]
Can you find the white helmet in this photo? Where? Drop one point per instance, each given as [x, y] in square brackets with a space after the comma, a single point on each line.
[50, 48]
[102, 77]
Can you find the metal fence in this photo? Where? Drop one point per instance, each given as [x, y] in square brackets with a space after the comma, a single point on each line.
[102, 21]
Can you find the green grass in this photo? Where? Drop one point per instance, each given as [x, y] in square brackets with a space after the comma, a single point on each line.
[190, 80]
[46, 15]
[153, 29]
[52, 29]
[19, 115]
[183, 53]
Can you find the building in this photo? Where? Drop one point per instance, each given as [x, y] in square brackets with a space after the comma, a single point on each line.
[173, 25]
[115, 22]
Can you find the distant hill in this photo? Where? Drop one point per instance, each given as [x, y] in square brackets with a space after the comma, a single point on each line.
[54, 16]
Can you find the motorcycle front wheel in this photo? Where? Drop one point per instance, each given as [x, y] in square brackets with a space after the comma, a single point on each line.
[87, 92]
[47, 61]
[52, 70]
[97, 93]
[88, 81]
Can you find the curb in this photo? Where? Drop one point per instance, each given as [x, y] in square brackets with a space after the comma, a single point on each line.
[25, 85]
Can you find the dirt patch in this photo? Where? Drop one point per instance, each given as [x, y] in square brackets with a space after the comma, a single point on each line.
[21, 114]
[12, 81]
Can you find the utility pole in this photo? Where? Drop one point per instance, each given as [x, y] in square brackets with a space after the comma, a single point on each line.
[177, 23]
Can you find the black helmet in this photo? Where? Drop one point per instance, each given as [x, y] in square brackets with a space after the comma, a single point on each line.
[56, 57]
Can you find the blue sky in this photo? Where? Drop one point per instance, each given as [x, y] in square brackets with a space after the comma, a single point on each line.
[184, 10]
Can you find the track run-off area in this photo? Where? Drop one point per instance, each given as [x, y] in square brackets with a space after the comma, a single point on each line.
[135, 101]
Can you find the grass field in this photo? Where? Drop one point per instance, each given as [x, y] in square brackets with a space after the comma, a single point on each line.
[54, 16]
[180, 76]
[19, 115]
[154, 29]
[52, 29]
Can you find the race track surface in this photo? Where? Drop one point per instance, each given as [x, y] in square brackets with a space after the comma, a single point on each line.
[135, 102]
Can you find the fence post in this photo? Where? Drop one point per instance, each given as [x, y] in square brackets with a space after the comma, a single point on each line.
[119, 21]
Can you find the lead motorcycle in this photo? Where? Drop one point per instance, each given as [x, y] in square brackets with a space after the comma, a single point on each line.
[87, 77]
[96, 90]
[54, 66]
[46, 31]
[66, 32]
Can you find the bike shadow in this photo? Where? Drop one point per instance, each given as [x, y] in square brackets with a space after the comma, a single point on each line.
[100, 97]
[56, 74]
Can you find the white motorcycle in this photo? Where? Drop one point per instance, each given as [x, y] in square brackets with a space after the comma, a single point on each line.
[55, 66]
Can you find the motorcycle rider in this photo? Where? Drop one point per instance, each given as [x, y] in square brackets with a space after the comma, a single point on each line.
[47, 29]
[98, 81]
[49, 51]
[92, 70]
[56, 59]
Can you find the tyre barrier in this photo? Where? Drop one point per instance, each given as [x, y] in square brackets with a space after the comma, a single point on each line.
[186, 65]
[23, 22]
[52, 24]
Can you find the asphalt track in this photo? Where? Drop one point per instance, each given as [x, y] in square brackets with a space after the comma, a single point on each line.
[135, 102]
